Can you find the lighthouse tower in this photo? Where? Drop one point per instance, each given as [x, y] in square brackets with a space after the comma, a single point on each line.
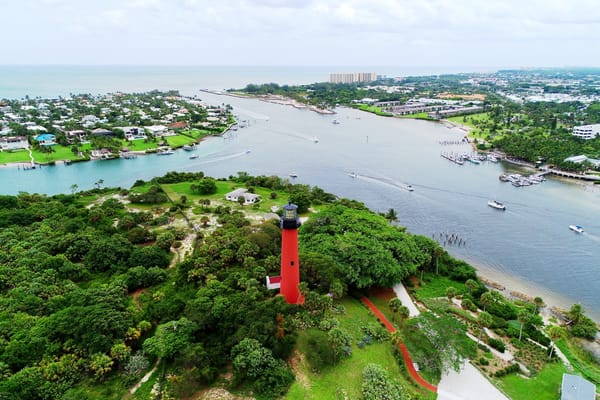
[290, 269]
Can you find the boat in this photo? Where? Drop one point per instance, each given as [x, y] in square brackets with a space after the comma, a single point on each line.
[352, 175]
[576, 228]
[316, 139]
[188, 147]
[247, 151]
[335, 122]
[165, 152]
[193, 156]
[410, 188]
[497, 205]
[293, 175]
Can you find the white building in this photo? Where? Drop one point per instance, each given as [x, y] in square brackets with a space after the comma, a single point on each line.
[249, 198]
[587, 131]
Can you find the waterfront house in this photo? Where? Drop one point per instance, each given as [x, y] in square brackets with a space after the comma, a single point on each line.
[46, 139]
[156, 130]
[14, 143]
[575, 387]
[133, 132]
[76, 135]
[102, 132]
[249, 198]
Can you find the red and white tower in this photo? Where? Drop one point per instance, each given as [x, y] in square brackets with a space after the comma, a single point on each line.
[290, 268]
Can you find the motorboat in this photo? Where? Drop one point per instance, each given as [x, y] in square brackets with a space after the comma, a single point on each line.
[193, 156]
[410, 188]
[293, 175]
[165, 152]
[335, 122]
[576, 228]
[352, 175]
[497, 205]
[188, 147]
[316, 139]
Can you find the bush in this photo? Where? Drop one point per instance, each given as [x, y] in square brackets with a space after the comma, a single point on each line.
[497, 344]
[375, 331]
[319, 353]
[483, 361]
[508, 370]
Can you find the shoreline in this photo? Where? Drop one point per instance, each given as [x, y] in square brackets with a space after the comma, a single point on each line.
[515, 287]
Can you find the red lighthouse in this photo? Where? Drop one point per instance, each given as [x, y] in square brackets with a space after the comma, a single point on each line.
[290, 269]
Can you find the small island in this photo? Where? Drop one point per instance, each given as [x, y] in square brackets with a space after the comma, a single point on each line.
[83, 127]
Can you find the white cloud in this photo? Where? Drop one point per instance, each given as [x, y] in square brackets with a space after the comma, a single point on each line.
[308, 31]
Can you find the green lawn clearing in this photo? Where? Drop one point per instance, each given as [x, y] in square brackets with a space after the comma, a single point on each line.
[14, 156]
[344, 380]
[543, 386]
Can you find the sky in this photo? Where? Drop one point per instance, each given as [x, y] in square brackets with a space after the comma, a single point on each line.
[409, 33]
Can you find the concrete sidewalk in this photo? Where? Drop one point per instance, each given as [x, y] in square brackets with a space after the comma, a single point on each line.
[403, 295]
[468, 384]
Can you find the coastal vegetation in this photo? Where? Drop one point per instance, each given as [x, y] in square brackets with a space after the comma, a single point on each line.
[99, 288]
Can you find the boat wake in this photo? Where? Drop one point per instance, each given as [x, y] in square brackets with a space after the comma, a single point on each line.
[385, 181]
[252, 114]
[221, 158]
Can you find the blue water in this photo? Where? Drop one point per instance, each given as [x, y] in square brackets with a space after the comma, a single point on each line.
[529, 244]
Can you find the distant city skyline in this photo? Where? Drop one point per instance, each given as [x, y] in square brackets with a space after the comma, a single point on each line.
[461, 33]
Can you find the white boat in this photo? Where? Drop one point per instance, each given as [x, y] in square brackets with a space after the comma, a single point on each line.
[497, 205]
[165, 152]
[576, 228]
[193, 156]
[293, 175]
[335, 122]
[352, 175]
[316, 139]
[410, 188]
[188, 147]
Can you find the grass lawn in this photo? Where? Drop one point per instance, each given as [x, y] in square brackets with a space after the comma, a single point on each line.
[374, 110]
[197, 133]
[470, 120]
[138, 145]
[587, 368]
[346, 376]
[15, 156]
[179, 140]
[436, 285]
[544, 386]
[59, 153]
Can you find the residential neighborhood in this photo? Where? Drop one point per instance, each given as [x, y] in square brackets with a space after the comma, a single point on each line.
[83, 127]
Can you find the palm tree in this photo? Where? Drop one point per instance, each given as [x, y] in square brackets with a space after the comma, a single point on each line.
[74, 188]
[555, 332]
[391, 216]
[484, 320]
[486, 299]
[523, 318]
[450, 293]
[437, 252]
[539, 303]
[394, 305]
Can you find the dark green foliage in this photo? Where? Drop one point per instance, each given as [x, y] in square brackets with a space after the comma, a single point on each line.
[149, 256]
[177, 177]
[497, 344]
[362, 245]
[154, 195]
[378, 385]
[507, 370]
[108, 253]
[141, 277]
[270, 377]
[204, 186]
[139, 235]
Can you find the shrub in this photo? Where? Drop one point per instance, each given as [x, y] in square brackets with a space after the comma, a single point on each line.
[508, 370]
[483, 361]
[319, 354]
[375, 332]
[497, 344]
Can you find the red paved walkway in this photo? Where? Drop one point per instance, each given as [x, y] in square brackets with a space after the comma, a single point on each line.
[407, 360]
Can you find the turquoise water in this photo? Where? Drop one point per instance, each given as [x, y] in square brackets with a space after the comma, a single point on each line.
[530, 242]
